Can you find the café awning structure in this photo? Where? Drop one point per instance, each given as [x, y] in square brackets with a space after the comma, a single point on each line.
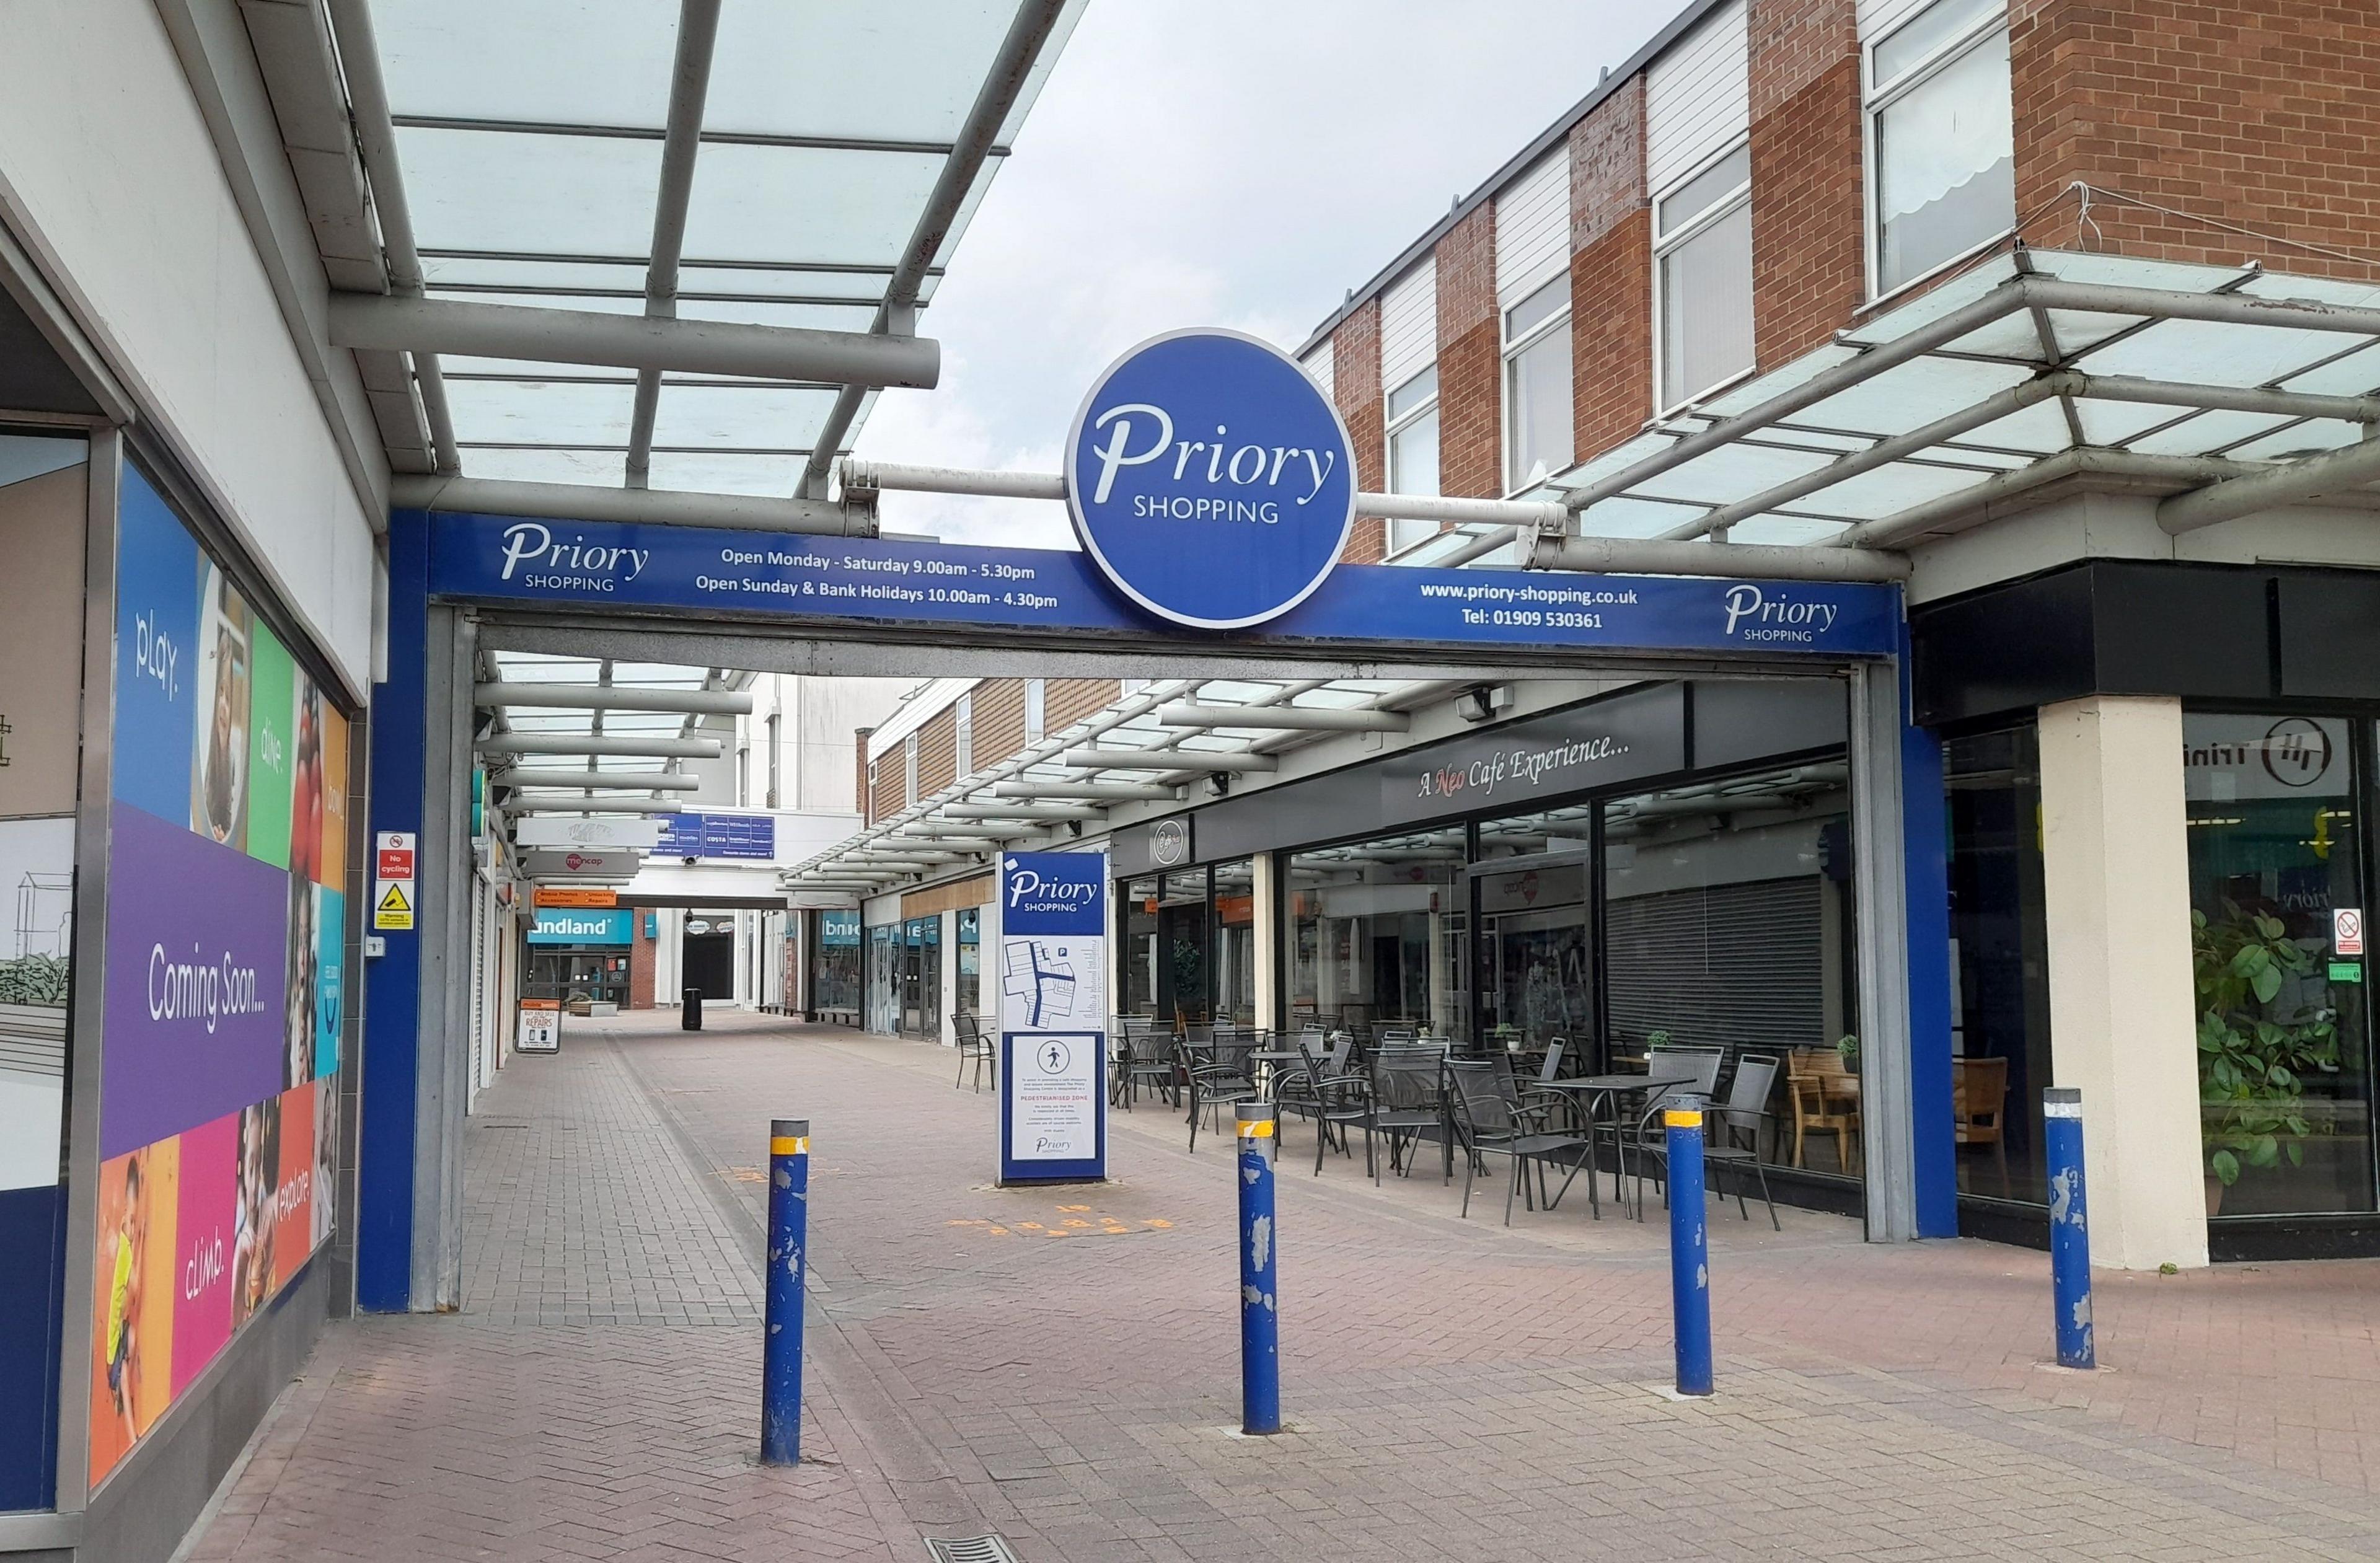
[2220, 392]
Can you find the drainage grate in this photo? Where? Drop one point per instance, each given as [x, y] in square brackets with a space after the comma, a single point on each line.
[971, 1549]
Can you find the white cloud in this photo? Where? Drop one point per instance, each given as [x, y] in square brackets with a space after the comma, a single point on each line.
[1228, 162]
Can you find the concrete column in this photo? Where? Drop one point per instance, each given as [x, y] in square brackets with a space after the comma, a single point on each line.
[2117, 868]
[1264, 947]
[949, 967]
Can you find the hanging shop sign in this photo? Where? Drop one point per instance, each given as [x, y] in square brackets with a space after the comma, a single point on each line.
[557, 924]
[580, 897]
[557, 830]
[771, 577]
[839, 929]
[691, 834]
[1052, 1017]
[1215, 447]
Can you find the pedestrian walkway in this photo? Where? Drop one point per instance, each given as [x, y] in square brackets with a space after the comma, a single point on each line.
[1059, 1366]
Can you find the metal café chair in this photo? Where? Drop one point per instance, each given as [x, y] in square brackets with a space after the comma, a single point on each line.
[973, 1048]
[1489, 1120]
[1407, 1098]
[1327, 1092]
[1225, 1076]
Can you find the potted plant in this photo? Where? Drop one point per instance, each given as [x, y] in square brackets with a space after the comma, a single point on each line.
[1846, 1049]
[2253, 1052]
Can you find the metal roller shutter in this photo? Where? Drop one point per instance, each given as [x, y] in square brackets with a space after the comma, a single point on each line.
[1741, 967]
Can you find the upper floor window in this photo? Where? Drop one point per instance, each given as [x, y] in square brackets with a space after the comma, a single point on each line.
[1033, 709]
[909, 763]
[1413, 452]
[1537, 386]
[1941, 139]
[776, 765]
[963, 759]
[1702, 278]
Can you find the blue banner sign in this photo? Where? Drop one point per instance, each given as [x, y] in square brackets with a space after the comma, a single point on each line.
[1053, 893]
[718, 835]
[1210, 479]
[563, 925]
[838, 928]
[783, 577]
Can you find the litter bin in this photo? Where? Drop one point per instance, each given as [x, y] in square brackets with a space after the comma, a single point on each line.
[689, 1017]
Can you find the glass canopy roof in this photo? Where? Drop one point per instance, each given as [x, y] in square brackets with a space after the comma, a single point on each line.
[2145, 382]
[530, 136]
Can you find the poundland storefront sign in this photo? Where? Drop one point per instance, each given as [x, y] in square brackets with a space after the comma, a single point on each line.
[559, 925]
[1210, 479]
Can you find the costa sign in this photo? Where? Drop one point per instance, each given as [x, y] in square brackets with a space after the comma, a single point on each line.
[1210, 480]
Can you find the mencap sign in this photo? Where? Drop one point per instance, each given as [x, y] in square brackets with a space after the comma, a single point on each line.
[1210, 480]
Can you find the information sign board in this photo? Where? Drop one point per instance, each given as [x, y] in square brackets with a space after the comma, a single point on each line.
[1052, 1008]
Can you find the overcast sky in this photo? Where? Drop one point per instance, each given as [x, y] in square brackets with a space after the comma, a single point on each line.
[1229, 163]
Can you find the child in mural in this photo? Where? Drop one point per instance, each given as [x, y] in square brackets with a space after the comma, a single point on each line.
[223, 747]
[305, 956]
[122, 1340]
[306, 796]
[260, 1164]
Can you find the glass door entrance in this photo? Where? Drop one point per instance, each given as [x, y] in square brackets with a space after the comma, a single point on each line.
[1536, 952]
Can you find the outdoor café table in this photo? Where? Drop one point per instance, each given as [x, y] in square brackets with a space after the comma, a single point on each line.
[1592, 1089]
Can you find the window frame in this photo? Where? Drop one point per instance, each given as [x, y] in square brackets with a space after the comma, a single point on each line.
[1509, 349]
[1875, 99]
[1389, 428]
[1663, 244]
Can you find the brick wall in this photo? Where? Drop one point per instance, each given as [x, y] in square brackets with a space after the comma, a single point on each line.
[640, 962]
[938, 751]
[1470, 370]
[999, 720]
[1355, 387]
[859, 788]
[1610, 273]
[1065, 701]
[2257, 112]
[1808, 257]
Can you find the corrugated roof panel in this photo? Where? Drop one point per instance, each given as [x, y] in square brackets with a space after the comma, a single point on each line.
[1409, 325]
[1697, 98]
[1533, 227]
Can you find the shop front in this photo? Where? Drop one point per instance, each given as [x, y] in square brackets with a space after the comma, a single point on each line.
[579, 956]
[2230, 717]
[1668, 866]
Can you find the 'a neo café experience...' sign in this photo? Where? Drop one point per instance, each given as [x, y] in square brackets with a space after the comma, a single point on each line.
[1213, 487]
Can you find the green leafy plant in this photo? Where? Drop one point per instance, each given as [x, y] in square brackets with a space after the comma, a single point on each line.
[1846, 1049]
[33, 979]
[2253, 1058]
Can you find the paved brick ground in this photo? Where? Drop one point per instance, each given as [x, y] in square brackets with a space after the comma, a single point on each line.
[1059, 1367]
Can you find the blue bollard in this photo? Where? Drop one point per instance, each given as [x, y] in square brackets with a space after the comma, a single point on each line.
[2069, 1226]
[1689, 1244]
[781, 1351]
[1259, 1292]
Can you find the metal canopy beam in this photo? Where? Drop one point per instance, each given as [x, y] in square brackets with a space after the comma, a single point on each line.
[581, 743]
[663, 507]
[583, 336]
[1027, 34]
[698, 36]
[1288, 718]
[1053, 814]
[1087, 792]
[615, 698]
[1733, 561]
[2296, 482]
[540, 802]
[607, 781]
[1164, 760]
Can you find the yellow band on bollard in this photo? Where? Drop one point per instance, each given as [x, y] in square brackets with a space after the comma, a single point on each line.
[789, 1144]
[1260, 1130]
[1681, 1118]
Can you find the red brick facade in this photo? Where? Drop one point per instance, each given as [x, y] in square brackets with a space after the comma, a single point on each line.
[938, 751]
[2258, 115]
[1355, 387]
[1470, 360]
[1611, 242]
[2261, 114]
[1809, 257]
[641, 964]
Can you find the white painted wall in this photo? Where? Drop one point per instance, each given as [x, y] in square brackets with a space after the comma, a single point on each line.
[2115, 856]
[108, 175]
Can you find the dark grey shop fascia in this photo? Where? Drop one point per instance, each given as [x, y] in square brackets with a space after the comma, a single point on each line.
[2134, 627]
[1597, 746]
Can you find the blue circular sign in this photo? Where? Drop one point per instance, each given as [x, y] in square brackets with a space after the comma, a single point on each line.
[1210, 480]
